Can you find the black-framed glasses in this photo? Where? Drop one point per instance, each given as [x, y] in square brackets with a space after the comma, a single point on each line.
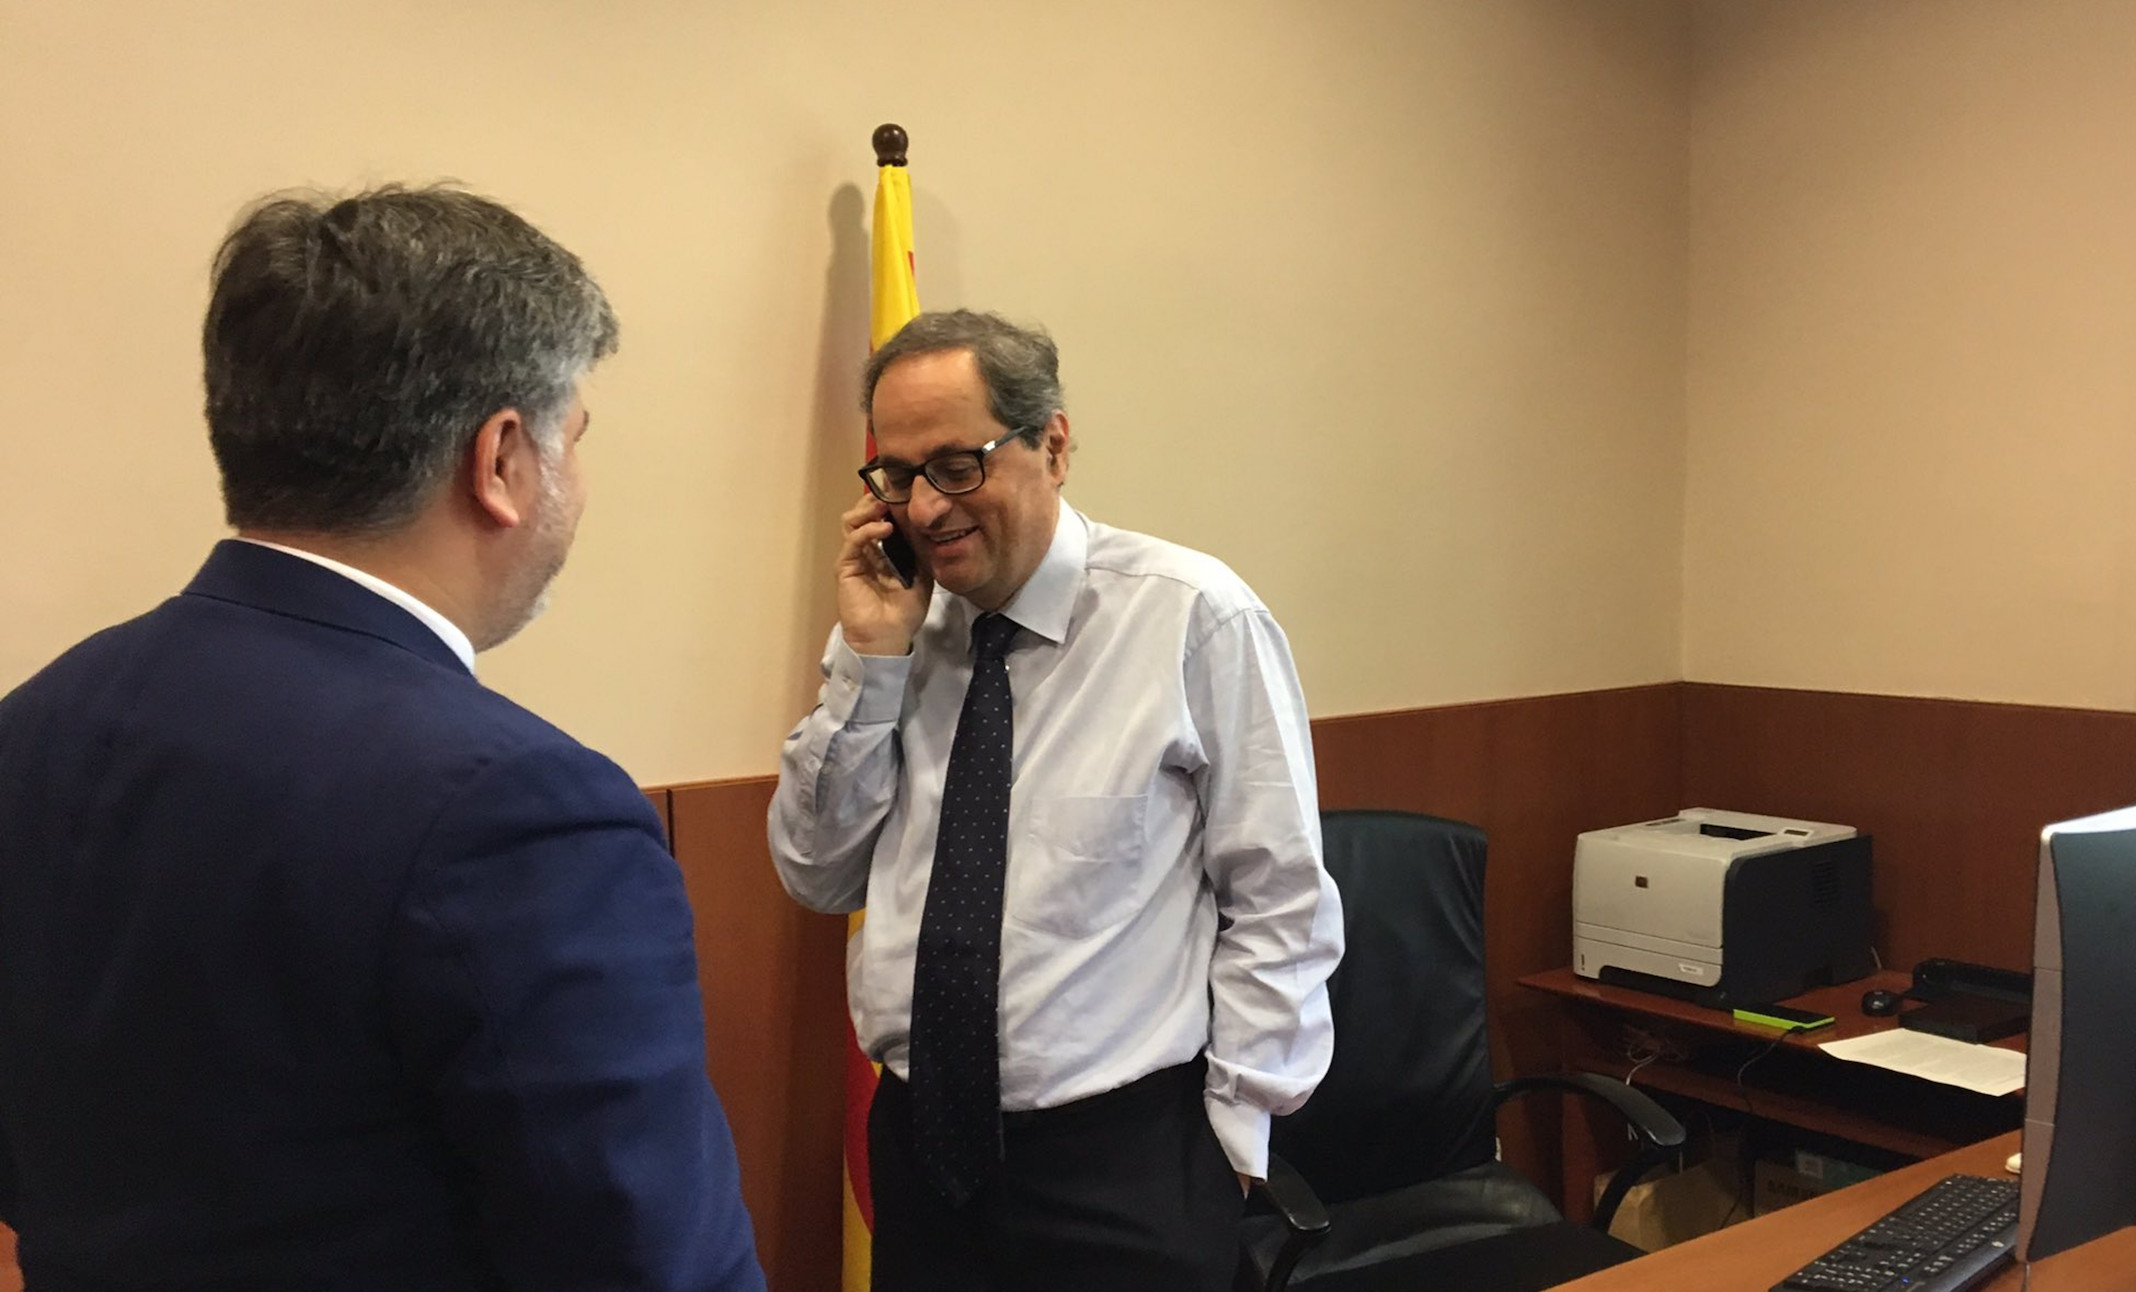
[957, 471]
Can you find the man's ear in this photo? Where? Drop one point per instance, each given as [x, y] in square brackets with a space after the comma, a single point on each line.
[1057, 443]
[504, 468]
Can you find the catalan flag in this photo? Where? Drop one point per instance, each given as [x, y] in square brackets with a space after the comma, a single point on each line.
[896, 296]
[894, 300]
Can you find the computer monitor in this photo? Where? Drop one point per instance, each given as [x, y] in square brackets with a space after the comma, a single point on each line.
[2079, 1177]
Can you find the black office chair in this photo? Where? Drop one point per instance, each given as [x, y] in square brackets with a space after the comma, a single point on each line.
[1387, 1177]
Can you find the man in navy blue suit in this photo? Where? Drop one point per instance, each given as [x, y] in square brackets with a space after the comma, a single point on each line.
[321, 965]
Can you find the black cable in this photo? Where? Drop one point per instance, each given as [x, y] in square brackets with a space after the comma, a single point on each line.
[1750, 1109]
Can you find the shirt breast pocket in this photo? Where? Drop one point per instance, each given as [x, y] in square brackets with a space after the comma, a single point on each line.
[1082, 867]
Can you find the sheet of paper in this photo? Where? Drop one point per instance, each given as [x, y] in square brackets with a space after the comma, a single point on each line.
[1985, 1068]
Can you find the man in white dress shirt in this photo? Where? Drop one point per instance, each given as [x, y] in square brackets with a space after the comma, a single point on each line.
[1156, 911]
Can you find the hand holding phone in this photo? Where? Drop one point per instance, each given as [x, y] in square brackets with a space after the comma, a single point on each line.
[883, 590]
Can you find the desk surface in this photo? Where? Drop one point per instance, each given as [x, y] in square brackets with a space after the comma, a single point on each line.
[1843, 1003]
[1756, 1254]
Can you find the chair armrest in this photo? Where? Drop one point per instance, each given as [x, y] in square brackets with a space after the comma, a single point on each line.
[1652, 1122]
[1661, 1136]
[1305, 1219]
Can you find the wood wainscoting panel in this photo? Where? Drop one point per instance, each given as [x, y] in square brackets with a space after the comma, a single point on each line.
[1534, 773]
[1953, 792]
[663, 803]
[773, 976]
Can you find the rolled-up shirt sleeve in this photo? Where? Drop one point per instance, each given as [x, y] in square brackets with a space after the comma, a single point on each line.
[1280, 919]
[838, 775]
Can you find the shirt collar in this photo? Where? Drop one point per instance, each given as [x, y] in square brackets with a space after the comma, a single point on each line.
[447, 631]
[1046, 602]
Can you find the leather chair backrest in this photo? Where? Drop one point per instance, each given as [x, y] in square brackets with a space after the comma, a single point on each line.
[1408, 1095]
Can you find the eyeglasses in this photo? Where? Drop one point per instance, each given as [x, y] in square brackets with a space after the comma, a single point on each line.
[958, 471]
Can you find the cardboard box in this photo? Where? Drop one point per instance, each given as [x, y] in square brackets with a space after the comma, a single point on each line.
[1802, 1176]
[1666, 1209]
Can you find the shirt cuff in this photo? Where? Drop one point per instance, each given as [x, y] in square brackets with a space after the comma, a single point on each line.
[866, 688]
[1243, 1131]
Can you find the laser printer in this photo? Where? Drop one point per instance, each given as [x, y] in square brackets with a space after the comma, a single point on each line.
[1722, 908]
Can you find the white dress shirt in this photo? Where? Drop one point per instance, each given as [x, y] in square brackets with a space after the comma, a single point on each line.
[447, 631]
[1165, 893]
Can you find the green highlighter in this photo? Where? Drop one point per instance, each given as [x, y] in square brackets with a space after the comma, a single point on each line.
[1784, 1017]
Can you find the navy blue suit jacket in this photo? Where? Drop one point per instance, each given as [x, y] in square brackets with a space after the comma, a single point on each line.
[323, 966]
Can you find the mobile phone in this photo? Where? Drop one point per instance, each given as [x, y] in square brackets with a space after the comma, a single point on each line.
[1784, 1017]
[897, 550]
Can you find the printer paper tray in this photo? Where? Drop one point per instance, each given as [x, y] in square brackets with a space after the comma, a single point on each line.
[1590, 956]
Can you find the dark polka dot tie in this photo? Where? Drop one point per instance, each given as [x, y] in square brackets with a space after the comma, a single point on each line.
[956, 982]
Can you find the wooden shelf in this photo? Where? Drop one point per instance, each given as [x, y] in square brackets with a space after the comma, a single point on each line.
[1774, 1076]
[1795, 1110]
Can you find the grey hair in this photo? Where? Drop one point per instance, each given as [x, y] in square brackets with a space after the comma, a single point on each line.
[354, 346]
[1020, 366]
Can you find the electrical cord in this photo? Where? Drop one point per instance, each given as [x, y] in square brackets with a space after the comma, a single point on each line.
[1750, 1108]
[1642, 1045]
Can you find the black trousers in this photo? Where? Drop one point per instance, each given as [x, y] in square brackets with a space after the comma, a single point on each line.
[1127, 1191]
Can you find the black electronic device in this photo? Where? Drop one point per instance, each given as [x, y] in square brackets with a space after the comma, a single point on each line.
[1879, 1003]
[1963, 1016]
[1935, 979]
[897, 552]
[1785, 1017]
[1967, 1002]
[2080, 1124]
[1951, 1236]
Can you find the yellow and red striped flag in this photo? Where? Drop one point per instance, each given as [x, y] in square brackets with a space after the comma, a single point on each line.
[896, 297]
[894, 300]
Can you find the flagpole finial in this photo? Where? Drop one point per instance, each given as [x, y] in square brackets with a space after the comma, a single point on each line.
[890, 144]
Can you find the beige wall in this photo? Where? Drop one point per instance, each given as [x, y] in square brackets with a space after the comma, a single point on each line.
[1384, 303]
[1912, 374]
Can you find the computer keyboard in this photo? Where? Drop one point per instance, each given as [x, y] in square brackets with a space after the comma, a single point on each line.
[1950, 1237]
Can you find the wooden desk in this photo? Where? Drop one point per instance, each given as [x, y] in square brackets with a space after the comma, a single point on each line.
[1793, 1082]
[1753, 1256]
